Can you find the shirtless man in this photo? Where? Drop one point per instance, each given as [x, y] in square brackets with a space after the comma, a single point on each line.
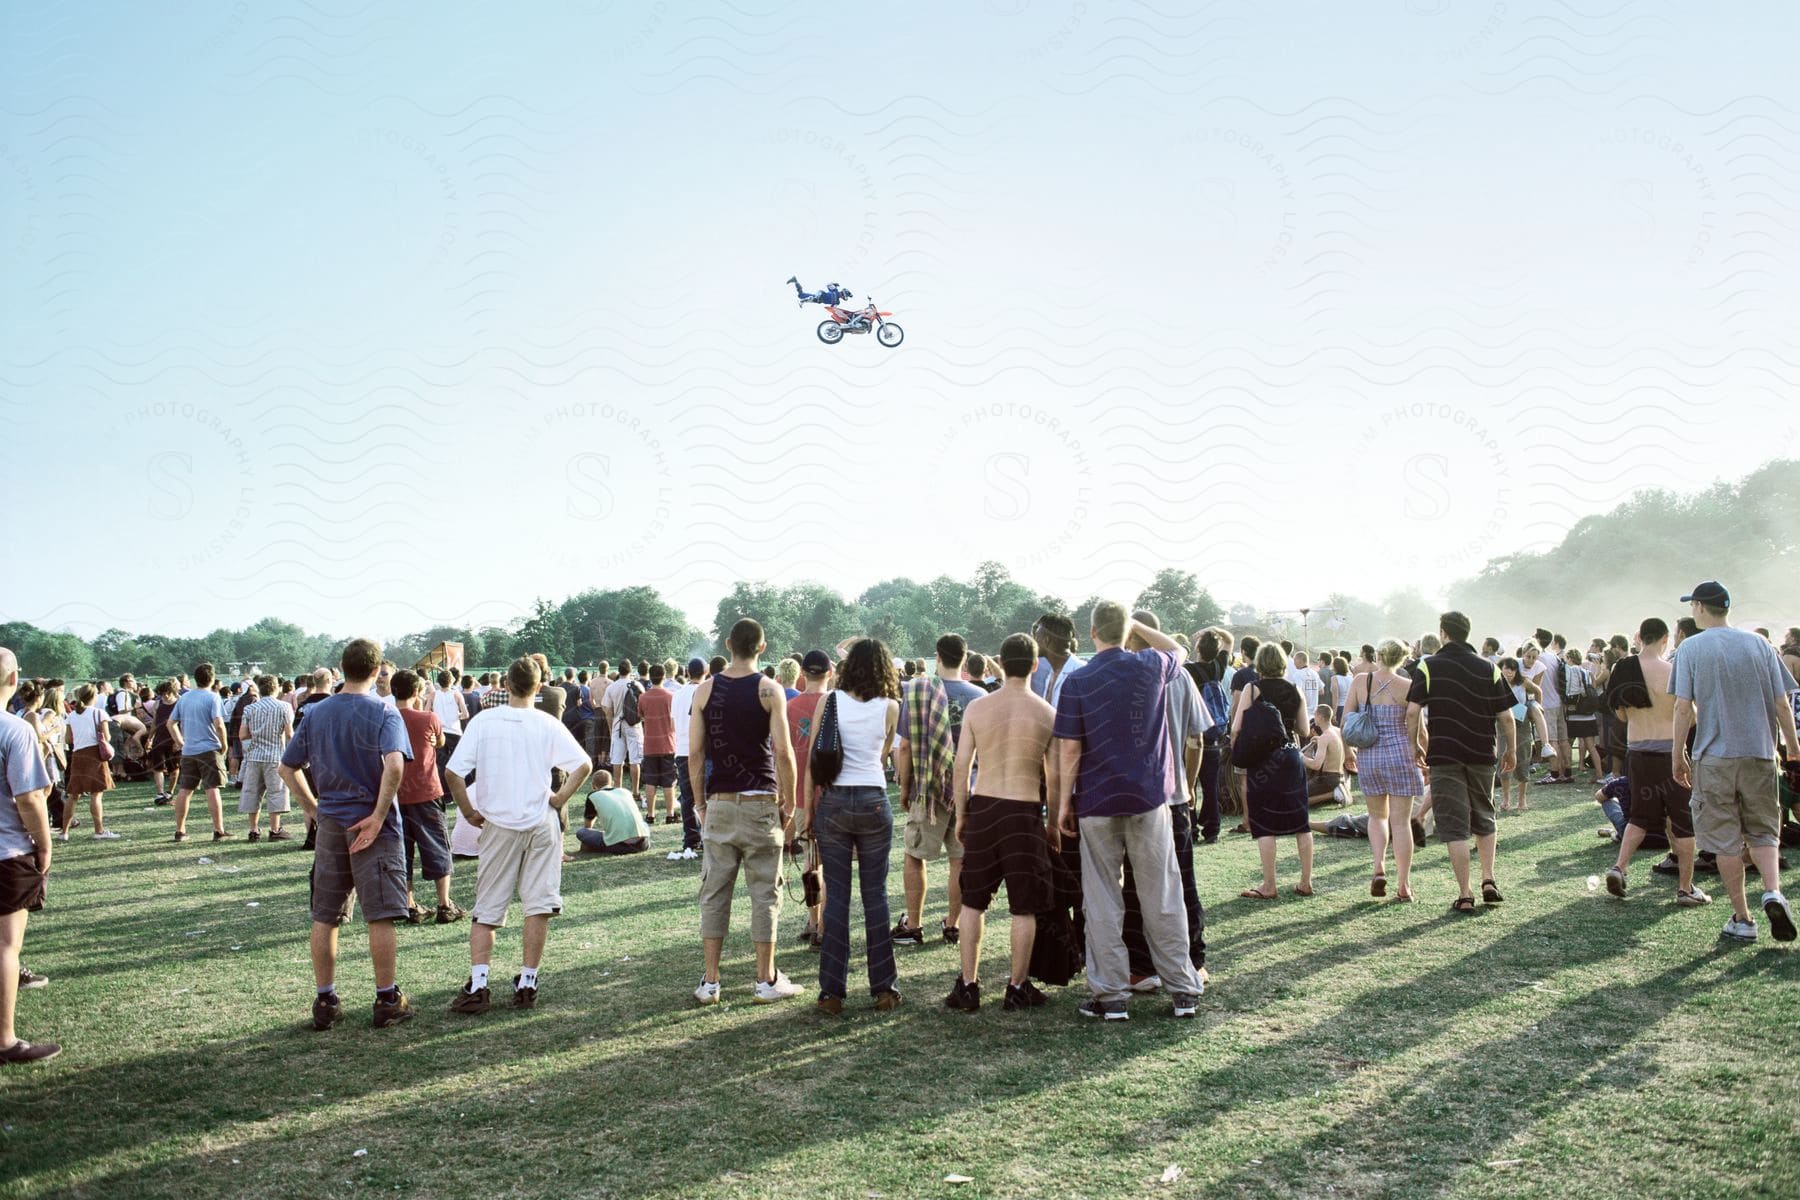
[1002, 830]
[1638, 692]
[1324, 759]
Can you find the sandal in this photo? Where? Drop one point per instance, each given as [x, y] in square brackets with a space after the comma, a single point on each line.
[1302, 891]
[1256, 894]
[1378, 886]
[1489, 893]
[1403, 897]
[1463, 904]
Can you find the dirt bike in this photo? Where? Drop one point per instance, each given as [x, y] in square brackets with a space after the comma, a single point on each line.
[844, 321]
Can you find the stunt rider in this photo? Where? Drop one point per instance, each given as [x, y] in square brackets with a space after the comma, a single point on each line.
[832, 293]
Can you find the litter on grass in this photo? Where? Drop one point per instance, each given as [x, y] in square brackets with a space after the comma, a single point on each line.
[360, 1154]
[1171, 1173]
[204, 861]
[958, 1179]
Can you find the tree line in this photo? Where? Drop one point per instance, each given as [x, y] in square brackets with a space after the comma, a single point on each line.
[1639, 556]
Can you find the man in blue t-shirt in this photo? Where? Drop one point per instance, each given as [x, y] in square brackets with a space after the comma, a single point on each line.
[198, 728]
[1117, 776]
[24, 858]
[344, 765]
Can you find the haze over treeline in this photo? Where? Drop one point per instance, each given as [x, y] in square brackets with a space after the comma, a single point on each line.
[1607, 573]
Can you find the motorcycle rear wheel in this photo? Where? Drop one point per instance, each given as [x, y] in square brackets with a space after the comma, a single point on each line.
[890, 334]
[830, 332]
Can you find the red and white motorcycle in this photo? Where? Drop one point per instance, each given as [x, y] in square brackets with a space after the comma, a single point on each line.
[843, 321]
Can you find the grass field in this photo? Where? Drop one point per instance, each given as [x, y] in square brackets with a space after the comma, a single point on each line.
[1561, 1044]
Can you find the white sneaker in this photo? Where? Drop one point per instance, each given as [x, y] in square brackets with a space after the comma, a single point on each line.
[689, 854]
[1692, 898]
[782, 988]
[62, 835]
[1149, 983]
[708, 993]
[1740, 931]
[1781, 917]
[106, 836]
[1546, 753]
[673, 856]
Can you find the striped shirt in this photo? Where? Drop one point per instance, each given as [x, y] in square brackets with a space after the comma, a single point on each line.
[269, 719]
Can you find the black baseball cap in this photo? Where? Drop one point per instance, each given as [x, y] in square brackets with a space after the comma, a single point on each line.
[1711, 592]
[816, 662]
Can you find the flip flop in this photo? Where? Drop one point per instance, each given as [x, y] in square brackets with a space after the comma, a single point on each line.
[1254, 894]
[1300, 891]
[1403, 897]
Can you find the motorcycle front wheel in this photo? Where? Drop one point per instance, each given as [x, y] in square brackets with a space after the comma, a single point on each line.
[890, 334]
[830, 332]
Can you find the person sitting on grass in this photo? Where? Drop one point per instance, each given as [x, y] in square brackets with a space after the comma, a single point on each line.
[513, 750]
[622, 828]
[1324, 759]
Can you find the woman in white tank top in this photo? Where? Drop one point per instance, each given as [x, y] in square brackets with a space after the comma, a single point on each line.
[854, 823]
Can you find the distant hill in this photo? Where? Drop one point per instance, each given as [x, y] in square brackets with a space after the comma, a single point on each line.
[1640, 558]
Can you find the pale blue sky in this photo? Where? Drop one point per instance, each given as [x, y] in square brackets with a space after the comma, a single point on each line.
[372, 319]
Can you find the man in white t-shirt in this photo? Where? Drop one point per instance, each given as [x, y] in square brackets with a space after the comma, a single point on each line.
[512, 750]
[683, 712]
[384, 690]
[452, 713]
[627, 741]
[1303, 676]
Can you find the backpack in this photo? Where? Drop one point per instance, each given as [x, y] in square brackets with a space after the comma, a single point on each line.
[1586, 703]
[1259, 734]
[1218, 706]
[630, 714]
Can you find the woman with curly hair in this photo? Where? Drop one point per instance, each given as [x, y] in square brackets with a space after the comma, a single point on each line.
[852, 820]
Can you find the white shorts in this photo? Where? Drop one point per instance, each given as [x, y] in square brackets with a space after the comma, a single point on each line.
[627, 744]
[526, 861]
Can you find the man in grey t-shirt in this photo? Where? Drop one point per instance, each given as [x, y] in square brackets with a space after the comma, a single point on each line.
[24, 857]
[1731, 688]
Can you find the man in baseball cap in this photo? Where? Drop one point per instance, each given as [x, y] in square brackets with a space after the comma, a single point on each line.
[1711, 593]
[1732, 689]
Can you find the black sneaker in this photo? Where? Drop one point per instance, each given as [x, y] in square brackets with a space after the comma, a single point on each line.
[23, 1051]
[1103, 1009]
[279, 835]
[471, 1003]
[449, 914]
[29, 979]
[952, 934]
[1187, 1004]
[1668, 866]
[902, 934]
[327, 1011]
[253, 836]
[523, 997]
[964, 997]
[163, 800]
[392, 1012]
[1021, 996]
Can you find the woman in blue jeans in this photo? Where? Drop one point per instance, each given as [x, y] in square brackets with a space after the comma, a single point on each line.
[852, 820]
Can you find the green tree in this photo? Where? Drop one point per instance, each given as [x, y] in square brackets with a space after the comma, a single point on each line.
[1181, 605]
[56, 655]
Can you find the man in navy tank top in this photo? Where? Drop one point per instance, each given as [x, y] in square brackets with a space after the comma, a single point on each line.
[745, 806]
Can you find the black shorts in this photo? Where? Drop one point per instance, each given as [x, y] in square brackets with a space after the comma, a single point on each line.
[202, 771]
[423, 827]
[21, 886]
[658, 771]
[1003, 842]
[163, 757]
[1655, 795]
